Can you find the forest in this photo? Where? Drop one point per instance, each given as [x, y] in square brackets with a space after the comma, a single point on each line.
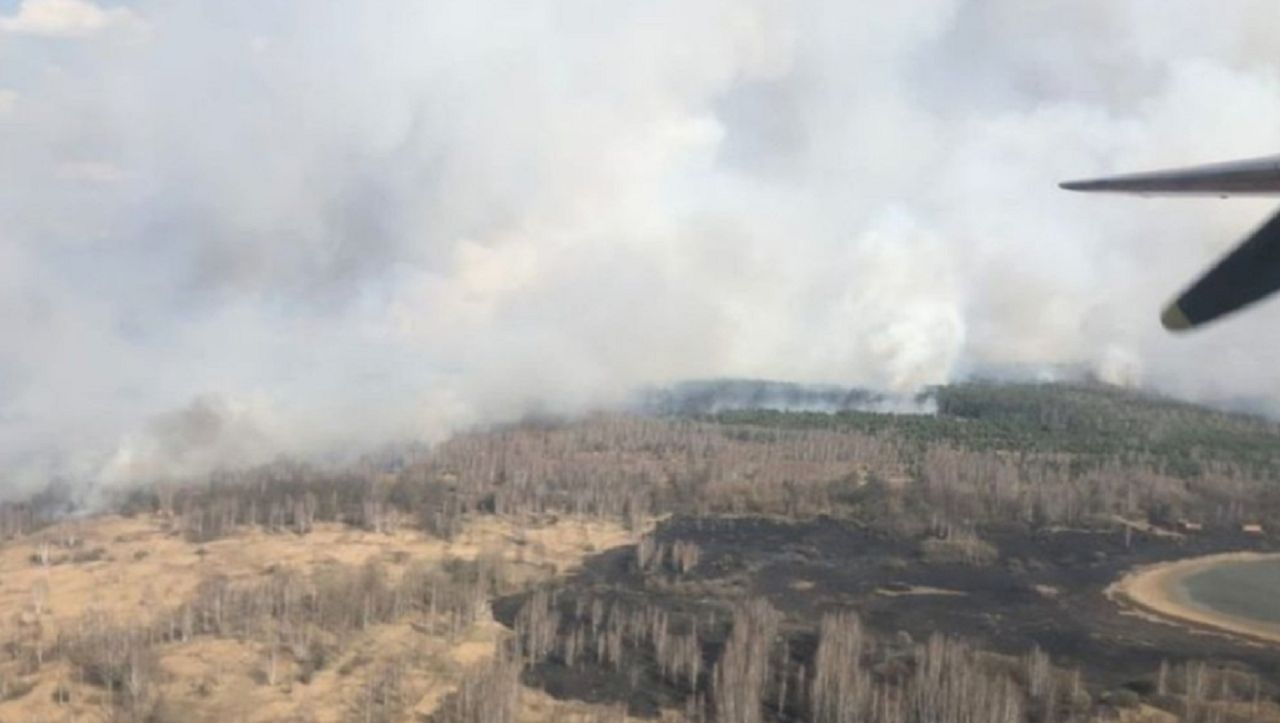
[669, 626]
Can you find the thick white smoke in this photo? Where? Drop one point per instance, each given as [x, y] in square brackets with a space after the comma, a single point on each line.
[238, 229]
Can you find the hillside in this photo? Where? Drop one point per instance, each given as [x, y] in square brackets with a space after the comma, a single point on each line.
[1092, 423]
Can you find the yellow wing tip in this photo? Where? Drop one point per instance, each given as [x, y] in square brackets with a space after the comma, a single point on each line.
[1174, 319]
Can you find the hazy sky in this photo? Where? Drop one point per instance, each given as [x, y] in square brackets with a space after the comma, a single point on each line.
[236, 228]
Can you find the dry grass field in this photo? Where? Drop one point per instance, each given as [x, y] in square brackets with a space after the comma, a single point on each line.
[133, 571]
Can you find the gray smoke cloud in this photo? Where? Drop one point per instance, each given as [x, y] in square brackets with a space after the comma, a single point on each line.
[239, 229]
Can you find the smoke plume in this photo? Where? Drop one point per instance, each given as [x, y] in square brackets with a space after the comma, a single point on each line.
[240, 229]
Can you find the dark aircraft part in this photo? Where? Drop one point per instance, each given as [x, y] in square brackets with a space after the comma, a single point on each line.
[1247, 274]
[1255, 176]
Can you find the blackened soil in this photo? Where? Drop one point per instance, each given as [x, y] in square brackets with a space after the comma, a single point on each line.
[1045, 590]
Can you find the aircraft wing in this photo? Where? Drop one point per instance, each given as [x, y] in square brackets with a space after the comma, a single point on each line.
[1248, 273]
[1254, 176]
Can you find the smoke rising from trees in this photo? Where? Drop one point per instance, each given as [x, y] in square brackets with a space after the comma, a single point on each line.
[249, 229]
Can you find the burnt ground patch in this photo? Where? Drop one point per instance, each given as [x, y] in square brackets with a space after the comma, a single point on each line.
[1045, 589]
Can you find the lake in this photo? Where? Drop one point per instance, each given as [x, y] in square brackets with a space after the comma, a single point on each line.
[1248, 589]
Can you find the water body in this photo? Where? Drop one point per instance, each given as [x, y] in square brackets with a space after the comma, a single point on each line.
[1245, 589]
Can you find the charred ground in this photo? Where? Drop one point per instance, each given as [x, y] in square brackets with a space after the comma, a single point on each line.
[1038, 592]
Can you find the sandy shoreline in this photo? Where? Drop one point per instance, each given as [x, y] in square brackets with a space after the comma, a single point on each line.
[1156, 590]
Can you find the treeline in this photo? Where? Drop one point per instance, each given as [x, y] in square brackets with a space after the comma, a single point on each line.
[1034, 455]
[611, 467]
[1029, 454]
[631, 468]
[1090, 424]
[21, 517]
[746, 666]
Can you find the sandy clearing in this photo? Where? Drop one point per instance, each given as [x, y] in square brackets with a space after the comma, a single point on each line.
[1154, 590]
[920, 590]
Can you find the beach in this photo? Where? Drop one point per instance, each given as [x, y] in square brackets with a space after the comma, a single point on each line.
[1158, 592]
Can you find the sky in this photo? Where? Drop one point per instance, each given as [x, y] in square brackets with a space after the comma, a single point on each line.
[240, 229]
